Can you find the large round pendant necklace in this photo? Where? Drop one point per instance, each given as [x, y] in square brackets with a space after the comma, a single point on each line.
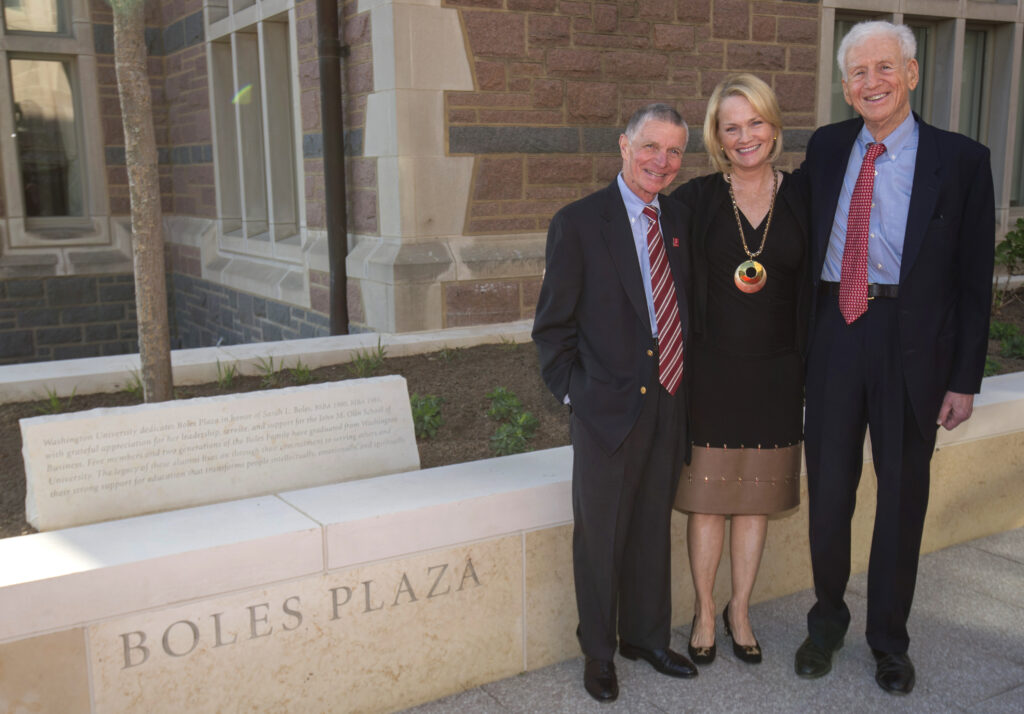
[750, 275]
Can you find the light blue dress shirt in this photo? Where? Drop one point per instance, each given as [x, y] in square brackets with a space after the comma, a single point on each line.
[638, 223]
[894, 179]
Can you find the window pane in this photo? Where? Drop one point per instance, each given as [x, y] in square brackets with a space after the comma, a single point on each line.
[974, 83]
[48, 151]
[840, 109]
[35, 16]
[1017, 191]
[918, 98]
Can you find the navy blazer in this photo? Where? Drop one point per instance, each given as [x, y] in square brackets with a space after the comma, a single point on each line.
[945, 289]
[592, 328]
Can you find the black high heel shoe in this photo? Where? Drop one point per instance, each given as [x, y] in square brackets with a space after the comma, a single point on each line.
[751, 654]
[700, 655]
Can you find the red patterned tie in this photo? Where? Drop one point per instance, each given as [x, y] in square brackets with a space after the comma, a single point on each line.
[853, 280]
[666, 309]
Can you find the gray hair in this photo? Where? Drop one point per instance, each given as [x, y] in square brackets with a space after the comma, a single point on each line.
[863, 30]
[657, 111]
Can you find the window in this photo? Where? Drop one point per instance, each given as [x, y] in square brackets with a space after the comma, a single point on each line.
[1017, 183]
[921, 98]
[840, 109]
[974, 89]
[45, 16]
[57, 192]
[47, 137]
[254, 137]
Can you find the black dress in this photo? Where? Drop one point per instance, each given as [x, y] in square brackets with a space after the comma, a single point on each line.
[746, 385]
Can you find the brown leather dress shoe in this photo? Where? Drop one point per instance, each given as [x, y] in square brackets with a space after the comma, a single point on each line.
[665, 661]
[599, 679]
[813, 661]
[894, 672]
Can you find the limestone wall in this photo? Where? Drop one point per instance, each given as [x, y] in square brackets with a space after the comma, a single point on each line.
[376, 595]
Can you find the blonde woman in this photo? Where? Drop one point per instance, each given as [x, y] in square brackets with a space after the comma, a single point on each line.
[749, 249]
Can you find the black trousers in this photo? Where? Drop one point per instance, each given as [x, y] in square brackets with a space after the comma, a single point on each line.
[855, 382]
[622, 509]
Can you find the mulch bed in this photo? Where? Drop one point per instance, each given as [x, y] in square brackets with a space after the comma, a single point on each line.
[461, 377]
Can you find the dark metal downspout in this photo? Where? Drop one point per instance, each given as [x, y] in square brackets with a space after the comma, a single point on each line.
[333, 132]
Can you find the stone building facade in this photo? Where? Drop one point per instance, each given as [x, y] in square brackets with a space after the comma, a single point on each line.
[467, 124]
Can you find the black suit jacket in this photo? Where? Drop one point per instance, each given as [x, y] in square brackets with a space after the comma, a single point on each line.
[945, 289]
[592, 327]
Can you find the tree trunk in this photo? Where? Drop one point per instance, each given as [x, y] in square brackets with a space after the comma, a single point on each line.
[144, 189]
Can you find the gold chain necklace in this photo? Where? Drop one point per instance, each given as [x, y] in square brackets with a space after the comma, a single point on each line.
[750, 275]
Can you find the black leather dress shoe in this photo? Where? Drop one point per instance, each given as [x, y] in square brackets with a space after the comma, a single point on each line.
[599, 679]
[894, 672]
[813, 661]
[665, 661]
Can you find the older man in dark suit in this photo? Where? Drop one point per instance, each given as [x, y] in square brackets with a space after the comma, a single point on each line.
[610, 331]
[902, 237]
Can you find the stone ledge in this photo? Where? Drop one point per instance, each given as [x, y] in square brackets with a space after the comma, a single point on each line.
[392, 516]
[24, 382]
[138, 563]
[319, 591]
[151, 561]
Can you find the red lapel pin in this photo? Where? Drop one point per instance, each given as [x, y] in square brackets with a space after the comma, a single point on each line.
[675, 242]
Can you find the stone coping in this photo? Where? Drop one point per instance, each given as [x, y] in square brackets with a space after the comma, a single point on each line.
[139, 563]
[61, 579]
[91, 375]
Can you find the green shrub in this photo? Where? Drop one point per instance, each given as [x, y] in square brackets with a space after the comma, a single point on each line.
[53, 404]
[426, 414]
[1013, 347]
[447, 354]
[513, 436]
[134, 386]
[504, 404]
[301, 373]
[268, 372]
[1001, 330]
[991, 367]
[364, 364]
[226, 375]
[1010, 255]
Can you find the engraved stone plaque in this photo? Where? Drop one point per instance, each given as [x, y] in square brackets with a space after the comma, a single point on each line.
[118, 462]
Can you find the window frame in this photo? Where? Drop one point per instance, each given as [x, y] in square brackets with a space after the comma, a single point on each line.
[92, 228]
[65, 21]
[279, 230]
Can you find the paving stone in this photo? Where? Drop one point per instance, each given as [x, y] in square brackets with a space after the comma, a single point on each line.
[967, 645]
[1009, 544]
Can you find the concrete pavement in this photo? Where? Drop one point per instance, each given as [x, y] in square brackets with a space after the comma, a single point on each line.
[967, 631]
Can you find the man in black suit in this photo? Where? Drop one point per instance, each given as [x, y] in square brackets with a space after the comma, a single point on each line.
[902, 352]
[610, 331]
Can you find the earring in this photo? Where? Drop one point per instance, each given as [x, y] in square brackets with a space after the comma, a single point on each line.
[775, 138]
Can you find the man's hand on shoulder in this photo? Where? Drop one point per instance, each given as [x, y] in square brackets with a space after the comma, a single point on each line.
[955, 410]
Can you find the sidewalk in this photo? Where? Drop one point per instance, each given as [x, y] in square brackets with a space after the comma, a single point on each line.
[967, 631]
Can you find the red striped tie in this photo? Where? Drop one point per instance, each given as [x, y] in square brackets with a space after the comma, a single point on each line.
[666, 309]
[853, 276]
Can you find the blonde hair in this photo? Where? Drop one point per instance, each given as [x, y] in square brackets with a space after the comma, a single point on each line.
[761, 98]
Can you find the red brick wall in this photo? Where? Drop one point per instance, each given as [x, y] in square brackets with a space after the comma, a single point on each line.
[361, 172]
[590, 64]
[110, 112]
[357, 84]
[309, 99]
[187, 96]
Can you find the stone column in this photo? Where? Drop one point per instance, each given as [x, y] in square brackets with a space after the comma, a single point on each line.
[418, 53]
